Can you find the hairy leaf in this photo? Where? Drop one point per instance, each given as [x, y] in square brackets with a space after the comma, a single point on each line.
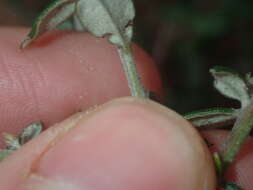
[100, 17]
[218, 163]
[11, 141]
[107, 17]
[56, 13]
[230, 84]
[112, 18]
[30, 132]
[249, 83]
[214, 117]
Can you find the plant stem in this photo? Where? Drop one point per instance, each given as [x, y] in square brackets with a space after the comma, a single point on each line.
[133, 78]
[239, 133]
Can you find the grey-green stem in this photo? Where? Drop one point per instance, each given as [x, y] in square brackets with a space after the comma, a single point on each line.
[133, 78]
[239, 133]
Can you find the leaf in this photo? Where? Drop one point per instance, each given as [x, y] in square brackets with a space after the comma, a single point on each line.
[214, 117]
[100, 17]
[230, 84]
[107, 17]
[218, 163]
[56, 13]
[15, 142]
[30, 132]
[11, 141]
[231, 186]
[4, 154]
[67, 25]
[112, 18]
[249, 83]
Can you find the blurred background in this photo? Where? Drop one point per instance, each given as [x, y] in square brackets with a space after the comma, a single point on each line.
[185, 37]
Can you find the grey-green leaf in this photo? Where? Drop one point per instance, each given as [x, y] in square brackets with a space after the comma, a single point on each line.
[249, 83]
[230, 84]
[218, 163]
[11, 141]
[67, 25]
[15, 142]
[30, 132]
[212, 118]
[100, 17]
[56, 13]
[112, 18]
[107, 17]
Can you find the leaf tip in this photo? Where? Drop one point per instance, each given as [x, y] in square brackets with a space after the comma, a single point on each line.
[222, 70]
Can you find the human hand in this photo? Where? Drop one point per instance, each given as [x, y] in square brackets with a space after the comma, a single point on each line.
[123, 144]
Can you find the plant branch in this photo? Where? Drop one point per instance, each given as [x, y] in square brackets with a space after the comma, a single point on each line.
[239, 133]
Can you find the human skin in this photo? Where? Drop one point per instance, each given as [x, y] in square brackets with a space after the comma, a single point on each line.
[124, 144]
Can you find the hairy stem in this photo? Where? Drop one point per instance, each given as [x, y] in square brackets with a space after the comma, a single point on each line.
[239, 133]
[133, 78]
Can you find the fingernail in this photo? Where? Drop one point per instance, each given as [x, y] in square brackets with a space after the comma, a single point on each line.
[126, 144]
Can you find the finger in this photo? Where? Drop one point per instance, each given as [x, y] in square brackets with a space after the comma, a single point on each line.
[241, 170]
[62, 73]
[126, 144]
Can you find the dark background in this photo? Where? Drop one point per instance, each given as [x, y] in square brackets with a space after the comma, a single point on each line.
[185, 38]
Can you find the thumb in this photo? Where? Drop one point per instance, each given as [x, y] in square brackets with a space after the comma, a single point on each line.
[125, 144]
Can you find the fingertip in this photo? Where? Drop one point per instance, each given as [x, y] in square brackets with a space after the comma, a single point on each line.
[60, 74]
[125, 144]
